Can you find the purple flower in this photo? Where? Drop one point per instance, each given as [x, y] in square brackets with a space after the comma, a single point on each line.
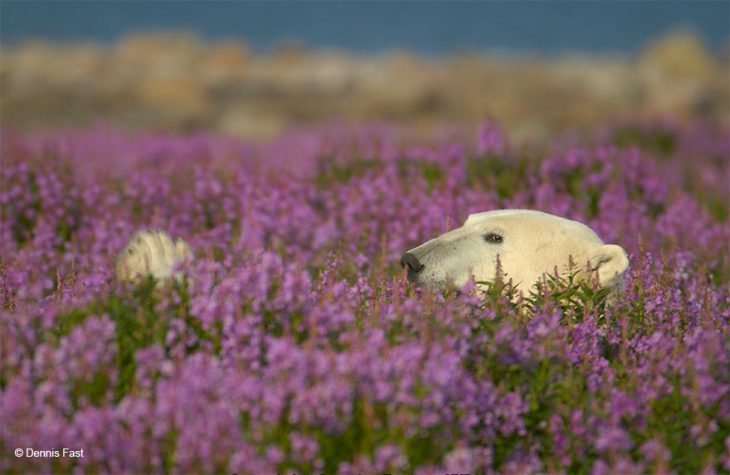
[296, 343]
[490, 139]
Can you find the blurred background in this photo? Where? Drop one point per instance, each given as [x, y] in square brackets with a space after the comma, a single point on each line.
[253, 69]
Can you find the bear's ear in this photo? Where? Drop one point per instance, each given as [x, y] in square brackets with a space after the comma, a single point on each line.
[473, 218]
[611, 262]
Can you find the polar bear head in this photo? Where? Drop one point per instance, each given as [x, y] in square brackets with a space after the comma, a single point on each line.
[527, 244]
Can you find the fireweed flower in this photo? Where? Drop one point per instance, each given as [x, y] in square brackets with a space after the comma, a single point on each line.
[295, 345]
[490, 139]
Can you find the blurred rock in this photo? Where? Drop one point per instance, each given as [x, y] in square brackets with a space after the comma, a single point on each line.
[679, 56]
[224, 63]
[678, 75]
[244, 122]
[176, 81]
[158, 55]
[176, 101]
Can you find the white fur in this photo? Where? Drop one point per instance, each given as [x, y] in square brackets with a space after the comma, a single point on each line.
[533, 243]
[152, 253]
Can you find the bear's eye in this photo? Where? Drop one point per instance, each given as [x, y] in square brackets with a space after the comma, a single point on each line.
[493, 238]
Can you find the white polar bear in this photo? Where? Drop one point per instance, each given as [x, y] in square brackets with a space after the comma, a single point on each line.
[151, 253]
[529, 244]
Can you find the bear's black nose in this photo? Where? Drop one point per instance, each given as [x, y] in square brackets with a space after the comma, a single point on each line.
[410, 260]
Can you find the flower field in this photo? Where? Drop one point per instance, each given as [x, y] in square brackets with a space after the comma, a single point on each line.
[296, 346]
